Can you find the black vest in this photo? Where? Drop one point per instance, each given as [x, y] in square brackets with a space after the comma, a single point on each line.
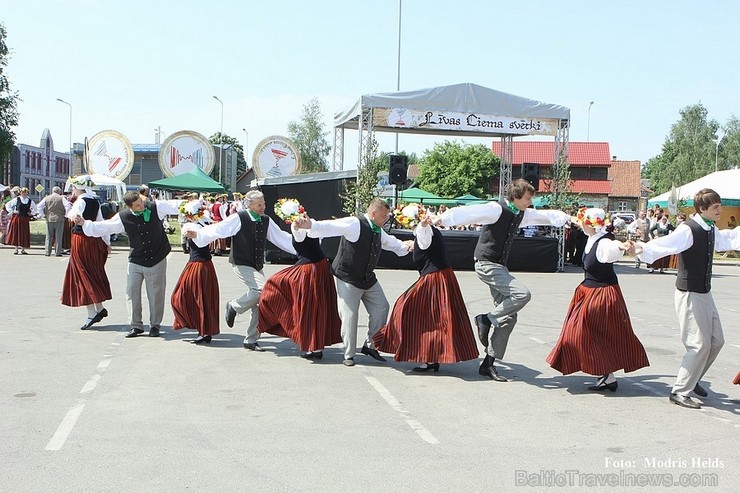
[355, 262]
[248, 245]
[309, 251]
[433, 258]
[496, 239]
[148, 241]
[90, 213]
[199, 254]
[695, 264]
[23, 209]
[598, 274]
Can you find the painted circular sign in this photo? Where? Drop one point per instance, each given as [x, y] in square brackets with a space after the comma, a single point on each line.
[109, 153]
[276, 156]
[184, 150]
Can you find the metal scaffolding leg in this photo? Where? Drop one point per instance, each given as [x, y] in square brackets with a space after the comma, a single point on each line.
[560, 160]
[507, 156]
[338, 155]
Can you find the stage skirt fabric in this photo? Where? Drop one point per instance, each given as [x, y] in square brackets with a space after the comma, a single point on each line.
[19, 231]
[597, 336]
[85, 281]
[195, 299]
[429, 323]
[737, 379]
[300, 302]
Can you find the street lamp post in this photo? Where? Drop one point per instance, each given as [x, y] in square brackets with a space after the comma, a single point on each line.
[716, 154]
[158, 134]
[246, 145]
[398, 61]
[221, 138]
[71, 171]
[588, 128]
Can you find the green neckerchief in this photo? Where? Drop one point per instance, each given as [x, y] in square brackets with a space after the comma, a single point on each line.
[512, 207]
[373, 226]
[708, 222]
[147, 213]
[256, 217]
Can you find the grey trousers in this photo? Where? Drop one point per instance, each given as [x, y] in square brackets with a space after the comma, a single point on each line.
[348, 301]
[54, 231]
[155, 278]
[701, 334]
[509, 296]
[254, 280]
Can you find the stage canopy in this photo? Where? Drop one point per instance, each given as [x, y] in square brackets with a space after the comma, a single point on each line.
[194, 180]
[726, 183]
[414, 194]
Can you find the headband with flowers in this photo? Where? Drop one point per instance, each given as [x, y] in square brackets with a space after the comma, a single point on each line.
[194, 210]
[409, 216]
[288, 209]
[593, 217]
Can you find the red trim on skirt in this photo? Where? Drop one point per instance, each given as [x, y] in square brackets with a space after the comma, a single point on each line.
[300, 303]
[195, 300]
[429, 323]
[597, 336]
[85, 281]
[737, 379]
[19, 231]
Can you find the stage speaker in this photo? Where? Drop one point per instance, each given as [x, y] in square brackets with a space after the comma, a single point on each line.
[531, 173]
[397, 169]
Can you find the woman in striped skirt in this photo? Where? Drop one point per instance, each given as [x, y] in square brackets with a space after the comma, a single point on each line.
[597, 336]
[85, 281]
[300, 302]
[21, 209]
[737, 379]
[195, 299]
[429, 323]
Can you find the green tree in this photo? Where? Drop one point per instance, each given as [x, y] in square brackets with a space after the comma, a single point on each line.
[728, 151]
[309, 136]
[8, 105]
[241, 163]
[359, 193]
[688, 152]
[451, 169]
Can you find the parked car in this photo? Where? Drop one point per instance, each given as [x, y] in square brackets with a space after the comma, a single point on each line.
[627, 217]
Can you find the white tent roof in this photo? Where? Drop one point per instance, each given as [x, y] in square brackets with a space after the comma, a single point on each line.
[726, 183]
[106, 181]
[461, 98]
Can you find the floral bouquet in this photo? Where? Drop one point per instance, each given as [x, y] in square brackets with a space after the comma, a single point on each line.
[594, 217]
[288, 210]
[409, 216]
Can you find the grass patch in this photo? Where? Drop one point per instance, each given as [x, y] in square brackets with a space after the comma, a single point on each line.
[38, 234]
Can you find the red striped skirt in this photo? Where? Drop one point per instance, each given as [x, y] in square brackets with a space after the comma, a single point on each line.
[300, 303]
[19, 231]
[597, 336]
[429, 323]
[195, 300]
[737, 379]
[67, 236]
[662, 263]
[85, 281]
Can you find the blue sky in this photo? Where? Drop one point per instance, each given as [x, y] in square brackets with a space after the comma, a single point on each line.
[133, 65]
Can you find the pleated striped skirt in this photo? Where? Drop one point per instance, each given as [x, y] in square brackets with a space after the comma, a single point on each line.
[19, 231]
[300, 303]
[85, 281]
[597, 336]
[429, 323]
[737, 379]
[195, 299]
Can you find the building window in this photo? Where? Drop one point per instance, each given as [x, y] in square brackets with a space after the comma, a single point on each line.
[599, 173]
[622, 206]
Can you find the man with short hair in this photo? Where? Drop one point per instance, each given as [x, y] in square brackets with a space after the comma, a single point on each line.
[500, 222]
[695, 241]
[142, 222]
[55, 207]
[249, 230]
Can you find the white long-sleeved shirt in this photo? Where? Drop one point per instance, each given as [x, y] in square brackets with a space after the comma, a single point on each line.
[78, 208]
[424, 235]
[41, 206]
[491, 212]
[114, 225]
[349, 228]
[682, 239]
[12, 204]
[232, 225]
[608, 251]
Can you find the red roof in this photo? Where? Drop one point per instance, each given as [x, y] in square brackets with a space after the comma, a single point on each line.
[586, 186]
[579, 153]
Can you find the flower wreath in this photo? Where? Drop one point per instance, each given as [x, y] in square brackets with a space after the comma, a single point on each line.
[194, 211]
[288, 210]
[81, 181]
[593, 217]
[409, 216]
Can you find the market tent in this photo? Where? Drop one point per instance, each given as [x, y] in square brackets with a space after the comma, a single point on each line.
[104, 181]
[469, 198]
[415, 194]
[194, 180]
[726, 183]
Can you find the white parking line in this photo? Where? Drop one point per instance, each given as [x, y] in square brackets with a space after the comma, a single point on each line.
[396, 406]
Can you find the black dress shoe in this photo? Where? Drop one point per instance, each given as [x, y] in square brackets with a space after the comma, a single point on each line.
[684, 401]
[349, 362]
[135, 332]
[373, 353]
[427, 367]
[484, 327]
[699, 390]
[230, 315]
[154, 331]
[313, 355]
[87, 324]
[602, 385]
[253, 346]
[100, 315]
[202, 340]
[492, 373]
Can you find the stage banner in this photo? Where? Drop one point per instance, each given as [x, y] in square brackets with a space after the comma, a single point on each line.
[184, 150]
[276, 156]
[467, 122]
[109, 153]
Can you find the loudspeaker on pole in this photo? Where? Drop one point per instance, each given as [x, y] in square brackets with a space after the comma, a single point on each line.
[397, 169]
[531, 173]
